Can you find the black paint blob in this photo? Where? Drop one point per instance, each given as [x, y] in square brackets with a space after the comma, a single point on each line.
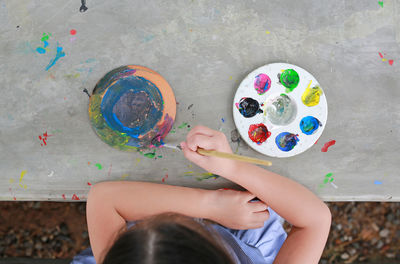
[83, 7]
[248, 107]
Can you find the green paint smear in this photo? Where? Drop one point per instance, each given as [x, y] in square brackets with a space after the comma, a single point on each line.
[150, 155]
[183, 125]
[98, 165]
[290, 79]
[45, 37]
[206, 176]
[173, 130]
[159, 156]
[329, 174]
[112, 137]
[380, 3]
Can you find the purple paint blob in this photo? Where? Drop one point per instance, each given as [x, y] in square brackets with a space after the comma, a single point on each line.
[262, 83]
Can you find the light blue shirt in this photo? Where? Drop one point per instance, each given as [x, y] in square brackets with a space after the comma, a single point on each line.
[253, 246]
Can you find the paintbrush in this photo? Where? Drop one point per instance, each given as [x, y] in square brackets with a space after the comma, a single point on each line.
[225, 155]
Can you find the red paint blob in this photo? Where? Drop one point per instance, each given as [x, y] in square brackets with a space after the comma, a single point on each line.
[63, 196]
[166, 177]
[258, 133]
[72, 32]
[380, 54]
[88, 183]
[74, 197]
[327, 145]
[391, 62]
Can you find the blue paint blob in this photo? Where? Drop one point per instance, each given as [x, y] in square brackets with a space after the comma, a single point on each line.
[59, 54]
[309, 125]
[286, 141]
[132, 105]
[40, 50]
[377, 182]
[45, 43]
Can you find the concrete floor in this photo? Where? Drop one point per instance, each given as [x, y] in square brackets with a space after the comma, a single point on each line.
[203, 49]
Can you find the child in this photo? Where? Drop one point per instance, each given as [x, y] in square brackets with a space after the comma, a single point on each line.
[168, 225]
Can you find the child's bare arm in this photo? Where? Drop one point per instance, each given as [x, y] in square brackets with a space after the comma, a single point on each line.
[309, 215]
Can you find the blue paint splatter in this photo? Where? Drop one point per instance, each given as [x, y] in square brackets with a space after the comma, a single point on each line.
[223, 120]
[286, 141]
[40, 50]
[309, 125]
[59, 55]
[377, 182]
[45, 43]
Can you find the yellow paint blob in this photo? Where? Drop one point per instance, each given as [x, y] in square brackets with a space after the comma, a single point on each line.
[311, 96]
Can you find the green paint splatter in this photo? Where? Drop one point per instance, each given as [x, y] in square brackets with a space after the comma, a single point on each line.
[150, 155]
[329, 174]
[184, 124]
[159, 156]
[380, 3]
[173, 130]
[45, 37]
[98, 165]
[206, 176]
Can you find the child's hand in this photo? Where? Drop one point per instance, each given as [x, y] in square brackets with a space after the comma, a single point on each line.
[206, 138]
[233, 209]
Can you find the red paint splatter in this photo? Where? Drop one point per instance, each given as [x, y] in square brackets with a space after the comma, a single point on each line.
[88, 183]
[72, 32]
[258, 133]
[88, 163]
[380, 54]
[15, 198]
[74, 197]
[316, 142]
[63, 196]
[327, 145]
[390, 62]
[44, 138]
[165, 177]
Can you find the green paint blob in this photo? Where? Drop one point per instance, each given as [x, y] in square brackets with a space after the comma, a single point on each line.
[380, 3]
[150, 155]
[329, 174]
[159, 156]
[98, 165]
[184, 124]
[290, 79]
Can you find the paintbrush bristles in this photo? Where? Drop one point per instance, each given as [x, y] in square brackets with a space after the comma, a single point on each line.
[233, 157]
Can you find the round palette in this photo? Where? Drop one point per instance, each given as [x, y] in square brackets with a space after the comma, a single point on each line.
[280, 110]
[131, 106]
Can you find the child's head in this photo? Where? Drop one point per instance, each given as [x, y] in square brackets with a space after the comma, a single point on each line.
[167, 238]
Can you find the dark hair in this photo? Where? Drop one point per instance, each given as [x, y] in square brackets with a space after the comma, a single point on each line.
[166, 239]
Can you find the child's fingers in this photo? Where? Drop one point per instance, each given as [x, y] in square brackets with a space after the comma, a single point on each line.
[201, 130]
[258, 206]
[202, 141]
[192, 155]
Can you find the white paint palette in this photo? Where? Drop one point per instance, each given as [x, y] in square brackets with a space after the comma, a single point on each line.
[280, 110]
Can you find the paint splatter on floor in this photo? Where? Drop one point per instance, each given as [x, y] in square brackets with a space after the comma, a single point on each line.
[43, 138]
[184, 124]
[165, 177]
[59, 55]
[150, 155]
[98, 165]
[380, 3]
[190, 106]
[327, 145]
[328, 179]
[377, 182]
[72, 32]
[63, 196]
[384, 59]
[21, 184]
[75, 198]
[88, 183]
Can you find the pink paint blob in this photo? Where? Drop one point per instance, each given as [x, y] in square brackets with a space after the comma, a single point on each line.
[327, 145]
[262, 83]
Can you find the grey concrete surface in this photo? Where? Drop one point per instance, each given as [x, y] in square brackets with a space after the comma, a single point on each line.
[203, 49]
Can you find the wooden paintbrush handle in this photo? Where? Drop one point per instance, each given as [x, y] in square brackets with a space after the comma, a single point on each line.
[225, 155]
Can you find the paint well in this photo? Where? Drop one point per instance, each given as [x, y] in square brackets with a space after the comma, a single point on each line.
[290, 79]
[309, 125]
[311, 96]
[286, 141]
[262, 83]
[280, 110]
[258, 133]
[248, 107]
